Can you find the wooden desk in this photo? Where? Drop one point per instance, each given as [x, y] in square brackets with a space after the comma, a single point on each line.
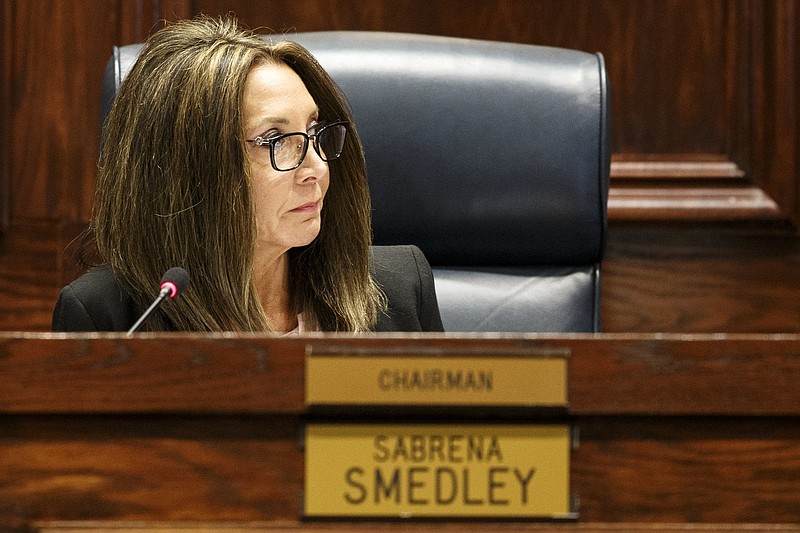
[673, 429]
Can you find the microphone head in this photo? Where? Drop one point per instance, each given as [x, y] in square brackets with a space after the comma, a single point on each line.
[176, 280]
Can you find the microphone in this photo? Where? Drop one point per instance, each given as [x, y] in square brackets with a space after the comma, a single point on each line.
[174, 281]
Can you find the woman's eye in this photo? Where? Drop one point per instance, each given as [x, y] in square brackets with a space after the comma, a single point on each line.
[263, 139]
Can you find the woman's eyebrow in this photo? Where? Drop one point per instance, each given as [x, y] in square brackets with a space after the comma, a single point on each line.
[281, 120]
[274, 120]
[263, 122]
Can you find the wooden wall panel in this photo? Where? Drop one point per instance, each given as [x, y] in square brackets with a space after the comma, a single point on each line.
[54, 89]
[140, 468]
[671, 428]
[5, 113]
[55, 68]
[700, 279]
[776, 103]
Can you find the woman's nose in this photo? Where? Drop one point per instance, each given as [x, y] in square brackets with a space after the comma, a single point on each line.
[312, 167]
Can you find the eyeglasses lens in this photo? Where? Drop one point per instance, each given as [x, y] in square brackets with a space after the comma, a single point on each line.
[288, 151]
[330, 141]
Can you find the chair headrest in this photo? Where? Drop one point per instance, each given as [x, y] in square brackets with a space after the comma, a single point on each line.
[479, 152]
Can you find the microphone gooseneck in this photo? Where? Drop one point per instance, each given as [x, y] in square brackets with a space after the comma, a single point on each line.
[174, 282]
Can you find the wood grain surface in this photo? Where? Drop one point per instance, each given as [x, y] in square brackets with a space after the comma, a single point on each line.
[671, 429]
[281, 527]
[609, 374]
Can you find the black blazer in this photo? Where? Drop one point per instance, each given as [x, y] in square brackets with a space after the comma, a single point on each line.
[95, 301]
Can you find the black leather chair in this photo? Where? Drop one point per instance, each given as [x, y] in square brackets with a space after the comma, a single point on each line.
[492, 157]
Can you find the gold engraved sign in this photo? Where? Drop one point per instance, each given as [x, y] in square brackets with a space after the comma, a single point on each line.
[431, 471]
[405, 380]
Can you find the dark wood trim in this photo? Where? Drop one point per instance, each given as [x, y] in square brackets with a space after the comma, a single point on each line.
[692, 204]
[686, 188]
[774, 102]
[666, 170]
[609, 374]
[6, 56]
[297, 527]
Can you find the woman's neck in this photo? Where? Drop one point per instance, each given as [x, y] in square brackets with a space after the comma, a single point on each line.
[271, 281]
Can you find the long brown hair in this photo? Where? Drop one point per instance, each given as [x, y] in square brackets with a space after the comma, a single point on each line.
[174, 187]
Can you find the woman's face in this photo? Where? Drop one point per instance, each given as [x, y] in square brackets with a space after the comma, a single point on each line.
[288, 204]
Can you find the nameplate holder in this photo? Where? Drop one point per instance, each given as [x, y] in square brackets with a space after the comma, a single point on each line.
[535, 377]
[433, 471]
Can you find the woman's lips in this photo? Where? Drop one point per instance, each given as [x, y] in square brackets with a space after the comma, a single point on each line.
[308, 207]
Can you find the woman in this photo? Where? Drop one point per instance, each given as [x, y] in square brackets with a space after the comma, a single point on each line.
[238, 161]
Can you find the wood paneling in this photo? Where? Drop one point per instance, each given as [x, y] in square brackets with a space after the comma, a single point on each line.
[671, 428]
[701, 278]
[776, 109]
[5, 114]
[405, 526]
[688, 470]
[55, 87]
[55, 52]
[609, 374]
[250, 468]
[29, 275]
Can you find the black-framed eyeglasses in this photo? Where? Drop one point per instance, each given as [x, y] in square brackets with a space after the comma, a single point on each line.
[288, 150]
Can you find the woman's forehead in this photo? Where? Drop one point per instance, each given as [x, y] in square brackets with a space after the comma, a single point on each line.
[275, 93]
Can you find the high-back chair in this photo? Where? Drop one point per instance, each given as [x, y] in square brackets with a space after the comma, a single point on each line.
[492, 157]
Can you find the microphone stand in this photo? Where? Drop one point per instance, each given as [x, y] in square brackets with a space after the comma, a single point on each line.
[166, 291]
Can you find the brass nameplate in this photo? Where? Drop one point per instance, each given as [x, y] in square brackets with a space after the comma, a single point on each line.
[432, 471]
[456, 381]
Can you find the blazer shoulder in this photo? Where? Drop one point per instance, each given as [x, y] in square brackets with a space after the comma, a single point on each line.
[404, 275]
[94, 302]
[399, 267]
